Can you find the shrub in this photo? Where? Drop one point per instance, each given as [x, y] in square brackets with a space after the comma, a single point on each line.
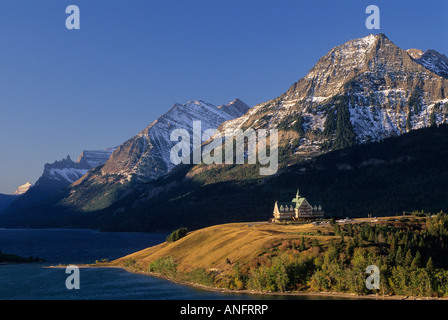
[201, 276]
[129, 263]
[177, 234]
[164, 266]
[101, 261]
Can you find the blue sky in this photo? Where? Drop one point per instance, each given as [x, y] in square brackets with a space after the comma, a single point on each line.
[64, 91]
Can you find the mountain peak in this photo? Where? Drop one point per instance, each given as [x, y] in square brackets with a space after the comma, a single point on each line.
[237, 100]
[415, 53]
[373, 37]
[22, 189]
[147, 155]
[236, 108]
[434, 61]
[370, 39]
[338, 66]
[195, 102]
[376, 80]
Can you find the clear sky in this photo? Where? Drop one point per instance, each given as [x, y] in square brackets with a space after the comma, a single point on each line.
[63, 91]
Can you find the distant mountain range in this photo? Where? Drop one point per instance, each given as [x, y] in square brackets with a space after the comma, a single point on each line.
[57, 176]
[360, 93]
[146, 156]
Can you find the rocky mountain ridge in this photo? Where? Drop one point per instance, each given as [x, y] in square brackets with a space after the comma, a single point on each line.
[58, 175]
[383, 90]
[146, 156]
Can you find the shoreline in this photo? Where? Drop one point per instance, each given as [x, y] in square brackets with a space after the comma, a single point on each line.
[333, 295]
[252, 242]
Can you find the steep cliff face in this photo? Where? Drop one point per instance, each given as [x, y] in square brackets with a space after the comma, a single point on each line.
[68, 171]
[94, 158]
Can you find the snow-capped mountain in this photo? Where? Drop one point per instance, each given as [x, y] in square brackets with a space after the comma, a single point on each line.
[58, 175]
[146, 156]
[68, 171]
[383, 89]
[434, 61]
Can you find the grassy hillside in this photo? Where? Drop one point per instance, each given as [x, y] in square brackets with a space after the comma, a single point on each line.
[214, 246]
[410, 253]
[209, 256]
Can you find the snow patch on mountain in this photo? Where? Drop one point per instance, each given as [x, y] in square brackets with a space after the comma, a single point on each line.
[377, 78]
[69, 175]
[434, 61]
[68, 171]
[147, 155]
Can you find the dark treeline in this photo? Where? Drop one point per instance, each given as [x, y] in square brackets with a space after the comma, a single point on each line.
[411, 258]
[410, 252]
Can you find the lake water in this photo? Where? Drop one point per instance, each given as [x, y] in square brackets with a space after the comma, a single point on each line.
[37, 281]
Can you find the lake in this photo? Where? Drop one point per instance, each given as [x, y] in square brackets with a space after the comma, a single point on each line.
[36, 281]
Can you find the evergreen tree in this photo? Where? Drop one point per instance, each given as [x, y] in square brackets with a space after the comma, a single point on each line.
[432, 119]
[408, 258]
[430, 264]
[408, 122]
[350, 247]
[337, 229]
[345, 135]
[298, 126]
[414, 100]
[302, 244]
[350, 230]
[393, 245]
[417, 261]
[381, 237]
[399, 256]
[330, 123]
